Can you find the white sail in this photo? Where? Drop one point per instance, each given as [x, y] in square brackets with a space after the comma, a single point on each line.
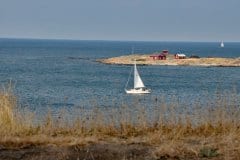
[222, 44]
[138, 83]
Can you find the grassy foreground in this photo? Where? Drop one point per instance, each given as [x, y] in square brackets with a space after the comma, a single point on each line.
[207, 132]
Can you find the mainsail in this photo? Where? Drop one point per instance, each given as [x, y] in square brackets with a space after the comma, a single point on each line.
[138, 83]
[222, 44]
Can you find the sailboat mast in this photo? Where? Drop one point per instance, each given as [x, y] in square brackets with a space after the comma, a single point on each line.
[135, 74]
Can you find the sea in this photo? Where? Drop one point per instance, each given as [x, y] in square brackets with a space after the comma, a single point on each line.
[57, 74]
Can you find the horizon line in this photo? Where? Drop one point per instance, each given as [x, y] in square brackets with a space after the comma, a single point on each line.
[112, 40]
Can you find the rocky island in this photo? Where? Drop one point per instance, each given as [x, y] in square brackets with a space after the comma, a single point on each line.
[172, 60]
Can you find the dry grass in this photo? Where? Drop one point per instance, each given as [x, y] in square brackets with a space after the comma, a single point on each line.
[209, 131]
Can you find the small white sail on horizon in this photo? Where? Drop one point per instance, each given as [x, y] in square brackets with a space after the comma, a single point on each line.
[222, 44]
[139, 87]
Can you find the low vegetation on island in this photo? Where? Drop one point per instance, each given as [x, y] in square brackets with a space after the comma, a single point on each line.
[146, 59]
[131, 131]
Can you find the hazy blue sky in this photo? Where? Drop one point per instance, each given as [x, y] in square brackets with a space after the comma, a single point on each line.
[157, 20]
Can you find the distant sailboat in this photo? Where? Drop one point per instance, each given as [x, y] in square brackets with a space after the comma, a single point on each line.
[139, 87]
[222, 44]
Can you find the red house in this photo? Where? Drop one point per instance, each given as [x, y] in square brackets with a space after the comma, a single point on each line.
[161, 56]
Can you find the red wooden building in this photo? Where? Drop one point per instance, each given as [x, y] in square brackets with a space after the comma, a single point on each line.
[161, 56]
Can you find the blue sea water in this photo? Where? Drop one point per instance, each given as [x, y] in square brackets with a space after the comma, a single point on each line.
[64, 73]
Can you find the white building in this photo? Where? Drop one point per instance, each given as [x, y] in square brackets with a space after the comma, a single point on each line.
[180, 56]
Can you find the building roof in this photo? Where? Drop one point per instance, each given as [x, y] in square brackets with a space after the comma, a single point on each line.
[181, 55]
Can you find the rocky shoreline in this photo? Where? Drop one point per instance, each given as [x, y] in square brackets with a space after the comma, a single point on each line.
[171, 61]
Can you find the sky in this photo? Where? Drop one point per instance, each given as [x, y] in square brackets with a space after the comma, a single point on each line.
[140, 20]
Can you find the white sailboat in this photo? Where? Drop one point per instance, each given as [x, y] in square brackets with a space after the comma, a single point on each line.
[222, 44]
[139, 87]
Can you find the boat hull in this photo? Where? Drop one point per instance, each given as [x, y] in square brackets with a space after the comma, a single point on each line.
[138, 91]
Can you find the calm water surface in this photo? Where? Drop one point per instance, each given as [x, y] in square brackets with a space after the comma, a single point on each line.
[58, 73]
